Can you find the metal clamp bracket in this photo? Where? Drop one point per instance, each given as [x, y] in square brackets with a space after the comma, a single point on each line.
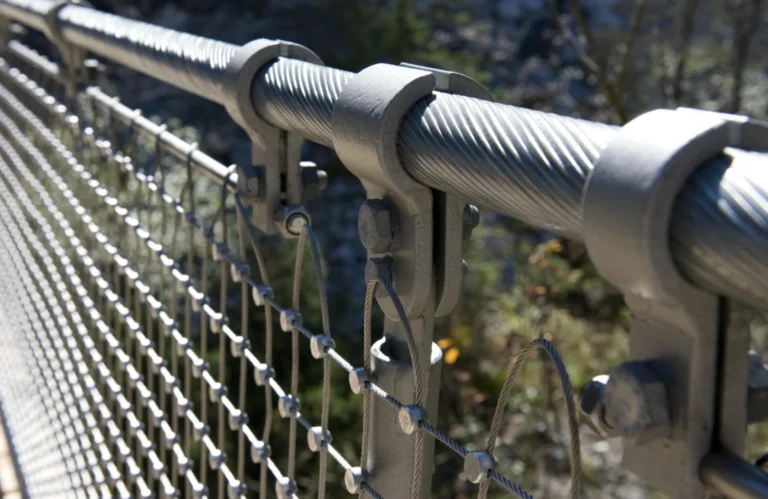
[402, 218]
[664, 400]
[413, 236]
[74, 58]
[277, 182]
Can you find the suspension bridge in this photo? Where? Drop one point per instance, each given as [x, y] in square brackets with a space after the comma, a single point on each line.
[110, 322]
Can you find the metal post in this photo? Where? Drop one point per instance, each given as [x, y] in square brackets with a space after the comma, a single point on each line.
[685, 386]
[413, 239]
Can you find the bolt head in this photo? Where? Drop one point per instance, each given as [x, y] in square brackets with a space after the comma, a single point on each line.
[637, 401]
[377, 225]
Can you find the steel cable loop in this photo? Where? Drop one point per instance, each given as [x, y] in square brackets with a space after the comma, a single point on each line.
[41, 128]
[573, 422]
[75, 318]
[413, 352]
[194, 63]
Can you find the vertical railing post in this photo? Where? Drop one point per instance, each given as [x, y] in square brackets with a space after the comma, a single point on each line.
[684, 392]
[413, 240]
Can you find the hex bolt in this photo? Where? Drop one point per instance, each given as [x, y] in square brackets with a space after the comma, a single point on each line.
[410, 418]
[470, 220]
[592, 405]
[296, 223]
[353, 479]
[260, 452]
[318, 437]
[285, 488]
[378, 226]
[477, 465]
[637, 401]
[358, 380]
[320, 344]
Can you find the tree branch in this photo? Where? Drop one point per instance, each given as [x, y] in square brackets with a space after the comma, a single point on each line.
[623, 66]
[675, 93]
[747, 21]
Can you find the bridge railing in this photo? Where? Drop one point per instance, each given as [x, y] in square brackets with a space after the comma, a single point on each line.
[672, 208]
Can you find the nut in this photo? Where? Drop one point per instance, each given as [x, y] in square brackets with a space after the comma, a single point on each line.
[470, 220]
[592, 405]
[637, 401]
[377, 225]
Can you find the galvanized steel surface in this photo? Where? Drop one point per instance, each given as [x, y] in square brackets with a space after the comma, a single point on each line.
[191, 62]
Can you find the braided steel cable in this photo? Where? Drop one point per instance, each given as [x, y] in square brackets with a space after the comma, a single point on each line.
[191, 62]
[514, 368]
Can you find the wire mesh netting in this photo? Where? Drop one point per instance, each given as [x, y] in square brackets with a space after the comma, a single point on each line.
[127, 345]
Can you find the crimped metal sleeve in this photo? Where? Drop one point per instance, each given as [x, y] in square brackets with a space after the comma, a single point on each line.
[190, 62]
